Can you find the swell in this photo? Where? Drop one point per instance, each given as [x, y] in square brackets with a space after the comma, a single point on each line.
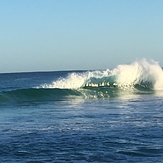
[56, 94]
[36, 95]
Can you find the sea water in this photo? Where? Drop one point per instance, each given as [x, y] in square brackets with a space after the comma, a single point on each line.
[83, 116]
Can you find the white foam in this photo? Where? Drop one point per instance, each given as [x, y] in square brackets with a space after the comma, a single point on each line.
[75, 80]
[138, 72]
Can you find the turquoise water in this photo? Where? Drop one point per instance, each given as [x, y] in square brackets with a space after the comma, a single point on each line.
[44, 119]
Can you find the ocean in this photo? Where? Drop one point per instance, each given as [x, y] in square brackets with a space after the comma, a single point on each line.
[83, 116]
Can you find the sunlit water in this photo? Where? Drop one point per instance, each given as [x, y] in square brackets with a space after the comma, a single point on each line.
[101, 130]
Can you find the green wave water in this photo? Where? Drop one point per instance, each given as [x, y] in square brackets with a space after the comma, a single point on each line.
[56, 94]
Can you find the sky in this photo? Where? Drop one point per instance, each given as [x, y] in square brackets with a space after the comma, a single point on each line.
[53, 35]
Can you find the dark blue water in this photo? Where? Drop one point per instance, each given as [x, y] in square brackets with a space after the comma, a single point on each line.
[61, 125]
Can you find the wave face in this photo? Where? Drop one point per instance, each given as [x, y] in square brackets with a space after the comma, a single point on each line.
[135, 78]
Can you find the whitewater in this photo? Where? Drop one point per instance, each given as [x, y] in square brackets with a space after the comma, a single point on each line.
[113, 115]
[139, 72]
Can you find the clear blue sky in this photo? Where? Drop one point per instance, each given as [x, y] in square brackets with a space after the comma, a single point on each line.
[42, 35]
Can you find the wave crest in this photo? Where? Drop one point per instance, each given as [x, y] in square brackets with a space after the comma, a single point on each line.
[144, 73]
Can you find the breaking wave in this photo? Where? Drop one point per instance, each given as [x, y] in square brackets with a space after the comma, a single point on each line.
[136, 78]
[145, 74]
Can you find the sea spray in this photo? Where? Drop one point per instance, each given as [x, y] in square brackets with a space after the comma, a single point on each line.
[145, 73]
